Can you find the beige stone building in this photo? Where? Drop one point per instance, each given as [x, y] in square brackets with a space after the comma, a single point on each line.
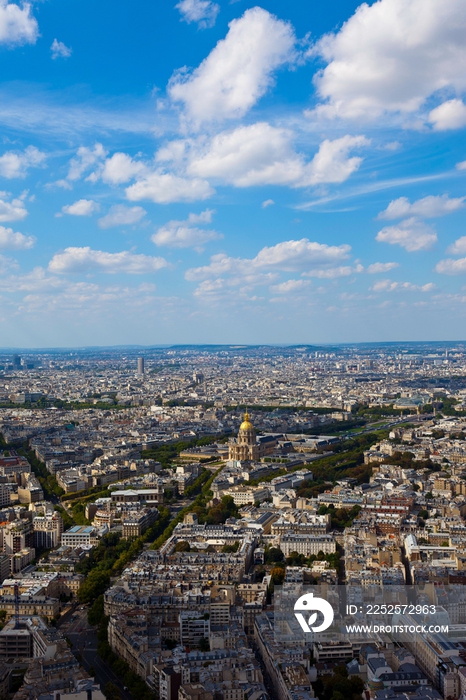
[245, 447]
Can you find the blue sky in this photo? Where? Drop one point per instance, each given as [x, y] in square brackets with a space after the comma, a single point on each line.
[229, 172]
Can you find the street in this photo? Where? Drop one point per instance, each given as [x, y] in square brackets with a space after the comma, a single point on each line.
[83, 638]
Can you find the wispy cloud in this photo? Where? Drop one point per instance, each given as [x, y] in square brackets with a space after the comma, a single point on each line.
[369, 188]
[25, 108]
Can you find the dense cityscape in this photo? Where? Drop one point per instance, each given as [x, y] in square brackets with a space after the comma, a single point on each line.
[232, 350]
[153, 502]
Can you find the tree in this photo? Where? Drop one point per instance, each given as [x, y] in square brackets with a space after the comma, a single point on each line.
[274, 555]
[93, 586]
[96, 612]
[296, 559]
[112, 691]
[204, 644]
[222, 511]
[182, 546]
[278, 575]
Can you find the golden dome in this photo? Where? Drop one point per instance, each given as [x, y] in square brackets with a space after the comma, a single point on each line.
[246, 424]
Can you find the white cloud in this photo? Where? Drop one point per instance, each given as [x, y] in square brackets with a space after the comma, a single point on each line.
[119, 215]
[9, 240]
[378, 267]
[87, 260]
[289, 256]
[298, 255]
[410, 234]
[427, 207]
[118, 169]
[210, 288]
[12, 211]
[83, 207]
[16, 163]
[391, 146]
[458, 247]
[182, 234]
[60, 50]
[289, 286]
[331, 162]
[17, 25]
[163, 188]
[449, 115]
[249, 155]
[85, 159]
[267, 203]
[204, 12]
[335, 272]
[260, 154]
[461, 166]
[389, 286]
[391, 56]
[238, 71]
[34, 281]
[451, 267]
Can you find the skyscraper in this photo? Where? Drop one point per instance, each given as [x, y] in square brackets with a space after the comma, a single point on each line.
[140, 365]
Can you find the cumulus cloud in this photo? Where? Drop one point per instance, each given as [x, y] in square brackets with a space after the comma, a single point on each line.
[12, 211]
[16, 163]
[458, 247]
[335, 272]
[9, 240]
[83, 207]
[451, 267]
[260, 154]
[60, 50]
[238, 71]
[288, 256]
[428, 207]
[389, 286]
[84, 159]
[204, 12]
[385, 58]
[118, 169]
[35, 281]
[411, 234]
[119, 215]
[449, 115]
[249, 155]
[162, 188]
[289, 286]
[17, 25]
[378, 267]
[331, 163]
[184, 234]
[85, 259]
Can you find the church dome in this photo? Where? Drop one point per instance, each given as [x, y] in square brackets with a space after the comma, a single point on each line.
[246, 424]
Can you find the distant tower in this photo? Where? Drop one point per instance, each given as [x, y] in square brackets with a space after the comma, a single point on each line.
[17, 361]
[140, 365]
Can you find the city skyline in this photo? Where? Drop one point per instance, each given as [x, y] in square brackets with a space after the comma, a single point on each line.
[232, 172]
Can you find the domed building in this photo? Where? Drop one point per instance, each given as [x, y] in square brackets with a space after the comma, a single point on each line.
[245, 447]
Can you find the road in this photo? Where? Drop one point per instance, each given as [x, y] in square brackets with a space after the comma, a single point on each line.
[83, 638]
